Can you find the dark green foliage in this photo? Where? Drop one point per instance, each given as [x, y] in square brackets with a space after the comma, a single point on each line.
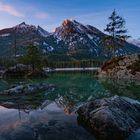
[116, 30]
[7, 62]
[33, 58]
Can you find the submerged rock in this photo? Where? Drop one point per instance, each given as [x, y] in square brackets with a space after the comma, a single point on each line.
[113, 118]
[27, 89]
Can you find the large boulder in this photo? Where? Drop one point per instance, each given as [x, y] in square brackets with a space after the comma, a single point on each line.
[20, 70]
[24, 71]
[125, 67]
[113, 118]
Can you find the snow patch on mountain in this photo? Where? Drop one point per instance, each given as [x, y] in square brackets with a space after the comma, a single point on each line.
[43, 32]
[90, 36]
[45, 44]
[36, 43]
[50, 48]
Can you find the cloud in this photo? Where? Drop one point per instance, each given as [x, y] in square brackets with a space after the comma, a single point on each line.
[41, 15]
[10, 10]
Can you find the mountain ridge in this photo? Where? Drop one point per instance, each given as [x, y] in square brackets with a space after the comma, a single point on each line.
[135, 42]
[71, 40]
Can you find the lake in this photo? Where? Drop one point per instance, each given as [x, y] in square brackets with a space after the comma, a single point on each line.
[50, 115]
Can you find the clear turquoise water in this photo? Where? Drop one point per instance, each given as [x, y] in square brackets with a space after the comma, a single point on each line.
[50, 115]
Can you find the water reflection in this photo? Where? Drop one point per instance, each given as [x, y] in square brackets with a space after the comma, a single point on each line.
[50, 115]
[128, 88]
[49, 122]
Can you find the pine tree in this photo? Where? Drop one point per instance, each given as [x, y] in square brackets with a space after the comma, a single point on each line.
[33, 58]
[116, 30]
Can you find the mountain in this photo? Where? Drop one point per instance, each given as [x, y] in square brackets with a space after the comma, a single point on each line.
[22, 35]
[71, 41]
[135, 42]
[43, 32]
[86, 41]
[82, 41]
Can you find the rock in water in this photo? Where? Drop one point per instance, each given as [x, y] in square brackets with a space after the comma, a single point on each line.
[27, 89]
[17, 71]
[22, 71]
[113, 118]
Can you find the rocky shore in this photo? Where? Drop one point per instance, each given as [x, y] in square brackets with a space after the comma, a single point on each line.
[125, 67]
[22, 71]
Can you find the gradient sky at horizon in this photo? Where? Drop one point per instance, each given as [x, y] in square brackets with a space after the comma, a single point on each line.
[49, 14]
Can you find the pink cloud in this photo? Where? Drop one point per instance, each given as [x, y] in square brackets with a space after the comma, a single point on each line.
[10, 10]
[41, 15]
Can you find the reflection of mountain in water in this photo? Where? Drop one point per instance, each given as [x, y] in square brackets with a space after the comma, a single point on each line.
[50, 115]
[74, 90]
[40, 124]
[71, 91]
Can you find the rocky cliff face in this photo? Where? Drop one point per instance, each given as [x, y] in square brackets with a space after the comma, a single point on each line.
[122, 68]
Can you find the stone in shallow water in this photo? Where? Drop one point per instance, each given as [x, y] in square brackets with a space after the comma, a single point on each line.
[28, 89]
[112, 118]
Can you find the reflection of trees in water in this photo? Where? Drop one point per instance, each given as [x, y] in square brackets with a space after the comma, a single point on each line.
[128, 87]
[77, 88]
[22, 105]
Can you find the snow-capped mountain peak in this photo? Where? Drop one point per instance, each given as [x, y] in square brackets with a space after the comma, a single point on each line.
[66, 22]
[70, 27]
[73, 25]
[23, 27]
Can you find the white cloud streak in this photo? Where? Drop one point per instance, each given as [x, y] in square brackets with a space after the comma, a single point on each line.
[6, 8]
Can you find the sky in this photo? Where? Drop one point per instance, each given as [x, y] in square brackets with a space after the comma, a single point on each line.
[50, 14]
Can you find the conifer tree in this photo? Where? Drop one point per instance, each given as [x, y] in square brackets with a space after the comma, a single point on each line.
[116, 30]
[33, 58]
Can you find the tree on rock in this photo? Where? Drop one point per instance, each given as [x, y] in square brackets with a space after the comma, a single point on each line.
[116, 30]
[33, 58]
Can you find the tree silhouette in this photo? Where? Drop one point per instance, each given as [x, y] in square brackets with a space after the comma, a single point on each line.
[33, 58]
[116, 30]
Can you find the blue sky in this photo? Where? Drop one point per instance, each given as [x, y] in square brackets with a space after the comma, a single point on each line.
[51, 13]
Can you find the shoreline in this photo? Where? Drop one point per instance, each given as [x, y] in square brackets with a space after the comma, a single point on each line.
[72, 69]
